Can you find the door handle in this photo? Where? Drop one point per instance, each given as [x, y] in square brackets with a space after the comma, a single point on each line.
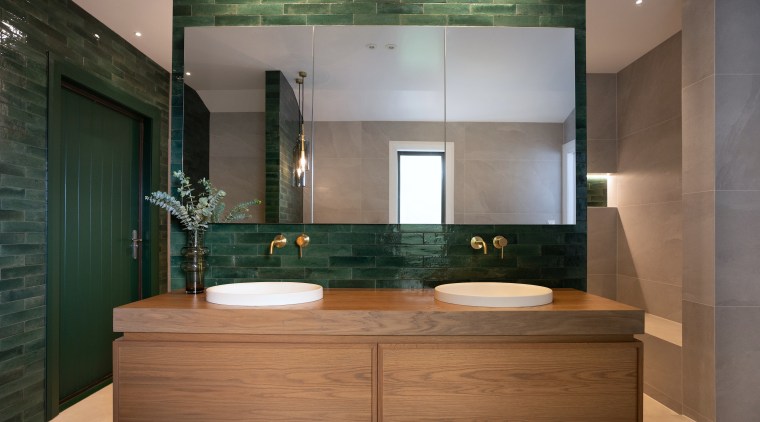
[135, 244]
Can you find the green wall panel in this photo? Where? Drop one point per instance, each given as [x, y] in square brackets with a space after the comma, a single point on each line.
[29, 29]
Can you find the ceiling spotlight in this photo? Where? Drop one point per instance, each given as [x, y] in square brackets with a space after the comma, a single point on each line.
[390, 46]
[639, 2]
[188, 73]
[138, 34]
[97, 37]
[371, 46]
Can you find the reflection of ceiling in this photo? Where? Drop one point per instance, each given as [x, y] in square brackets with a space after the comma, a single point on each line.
[491, 74]
[617, 31]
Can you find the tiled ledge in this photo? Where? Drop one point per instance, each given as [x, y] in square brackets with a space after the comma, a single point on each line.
[663, 329]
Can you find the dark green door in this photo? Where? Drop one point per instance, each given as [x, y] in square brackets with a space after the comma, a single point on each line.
[101, 193]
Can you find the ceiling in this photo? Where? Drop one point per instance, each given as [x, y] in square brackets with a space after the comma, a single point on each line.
[534, 71]
[618, 31]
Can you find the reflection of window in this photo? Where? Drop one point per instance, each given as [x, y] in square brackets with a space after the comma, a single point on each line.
[421, 187]
[444, 152]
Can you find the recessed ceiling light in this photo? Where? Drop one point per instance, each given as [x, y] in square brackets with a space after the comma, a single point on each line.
[138, 34]
[97, 37]
[371, 46]
[188, 73]
[639, 1]
[390, 46]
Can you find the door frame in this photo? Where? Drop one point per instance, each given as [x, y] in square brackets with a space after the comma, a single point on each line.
[59, 70]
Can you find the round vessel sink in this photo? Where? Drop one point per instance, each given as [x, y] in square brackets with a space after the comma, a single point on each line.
[264, 293]
[495, 295]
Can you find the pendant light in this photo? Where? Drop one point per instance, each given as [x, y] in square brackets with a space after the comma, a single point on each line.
[300, 155]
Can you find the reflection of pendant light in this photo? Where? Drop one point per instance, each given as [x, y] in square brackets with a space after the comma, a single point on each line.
[300, 157]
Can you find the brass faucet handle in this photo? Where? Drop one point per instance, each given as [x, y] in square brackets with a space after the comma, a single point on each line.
[500, 242]
[302, 241]
[278, 242]
[477, 242]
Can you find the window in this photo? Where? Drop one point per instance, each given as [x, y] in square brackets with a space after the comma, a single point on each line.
[439, 208]
[421, 187]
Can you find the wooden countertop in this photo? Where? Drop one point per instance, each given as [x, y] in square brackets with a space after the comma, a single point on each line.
[382, 312]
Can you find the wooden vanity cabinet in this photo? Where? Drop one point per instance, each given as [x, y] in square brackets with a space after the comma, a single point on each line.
[378, 355]
[240, 381]
[534, 382]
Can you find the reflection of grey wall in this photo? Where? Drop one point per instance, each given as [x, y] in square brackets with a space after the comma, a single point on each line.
[507, 173]
[237, 159]
[351, 167]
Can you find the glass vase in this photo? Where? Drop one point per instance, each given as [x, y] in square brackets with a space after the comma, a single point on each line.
[194, 265]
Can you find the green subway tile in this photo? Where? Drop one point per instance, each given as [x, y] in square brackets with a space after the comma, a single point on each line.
[327, 273]
[329, 250]
[494, 9]
[212, 10]
[527, 21]
[574, 9]
[307, 260]
[399, 284]
[307, 9]
[231, 272]
[375, 228]
[422, 20]
[399, 261]
[467, 1]
[399, 8]
[311, 228]
[284, 20]
[371, 19]
[562, 21]
[281, 273]
[470, 20]
[423, 228]
[401, 238]
[352, 261]
[353, 8]
[190, 21]
[237, 20]
[192, 2]
[221, 261]
[352, 238]
[539, 9]
[352, 284]
[257, 261]
[447, 9]
[183, 10]
[329, 19]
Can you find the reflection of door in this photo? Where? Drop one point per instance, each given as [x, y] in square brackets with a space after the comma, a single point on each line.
[100, 191]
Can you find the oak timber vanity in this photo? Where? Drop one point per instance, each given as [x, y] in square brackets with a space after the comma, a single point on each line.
[378, 355]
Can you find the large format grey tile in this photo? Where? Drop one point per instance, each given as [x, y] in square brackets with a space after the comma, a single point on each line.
[602, 156]
[737, 125]
[649, 89]
[737, 363]
[514, 141]
[337, 140]
[660, 299]
[699, 247]
[601, 106]
[698, 22]
[662, 371]
[737, 242]
[650, 242]
[649, 165]
[699, 136]
[699, 361]
[736, 35]
[604, 285]
[602, 240]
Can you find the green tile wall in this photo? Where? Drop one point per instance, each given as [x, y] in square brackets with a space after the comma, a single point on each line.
[283, 202]
[391, 255]
[28, 30]
[597, 192]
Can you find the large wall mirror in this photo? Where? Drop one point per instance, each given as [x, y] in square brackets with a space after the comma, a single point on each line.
[456, 125]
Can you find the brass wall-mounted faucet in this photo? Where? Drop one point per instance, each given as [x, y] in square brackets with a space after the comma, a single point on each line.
[500, 242]
[477, 242]
[278, 242]
[302, 241]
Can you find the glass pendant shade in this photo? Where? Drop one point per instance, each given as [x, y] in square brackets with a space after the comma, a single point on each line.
[300, 162]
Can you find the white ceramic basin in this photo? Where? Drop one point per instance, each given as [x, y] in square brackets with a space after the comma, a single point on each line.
[495, 295]
[264, 293]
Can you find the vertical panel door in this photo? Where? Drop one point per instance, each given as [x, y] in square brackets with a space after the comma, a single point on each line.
[101, 146]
